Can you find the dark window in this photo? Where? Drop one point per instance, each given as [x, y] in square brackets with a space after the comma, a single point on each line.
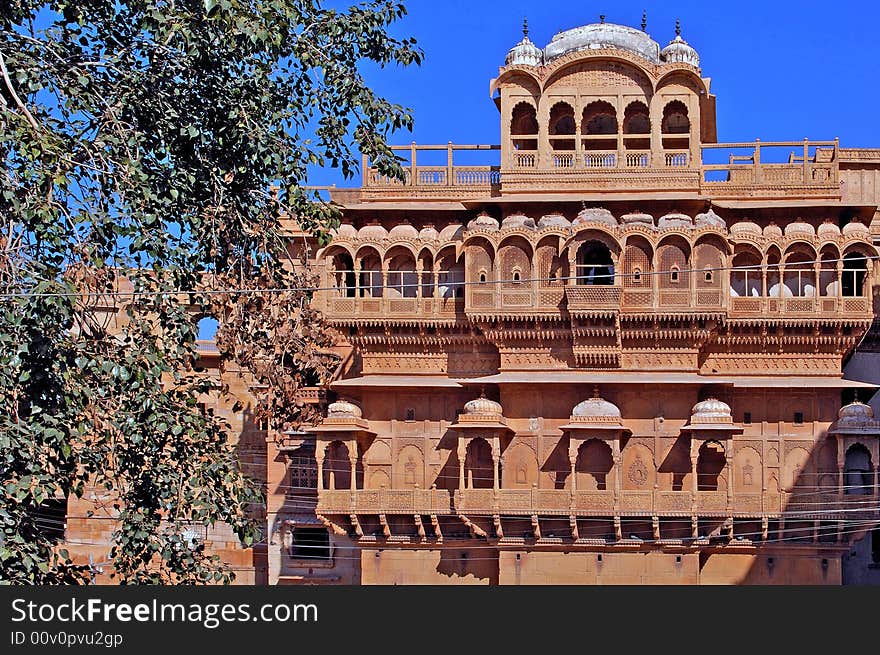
[747, 418]
[310, 543]
[708, 276]
[303, 470]
[674, 275]
[50, 518]
[516, 276]
[798, 418]
[875, 546]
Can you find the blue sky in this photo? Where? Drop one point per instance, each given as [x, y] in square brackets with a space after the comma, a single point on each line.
[780, 70]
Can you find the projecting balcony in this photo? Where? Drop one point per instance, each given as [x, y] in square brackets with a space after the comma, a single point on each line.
[748, 170]
[383, 501]
[347, 309]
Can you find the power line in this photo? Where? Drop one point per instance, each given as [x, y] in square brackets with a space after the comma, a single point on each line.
[777, 268]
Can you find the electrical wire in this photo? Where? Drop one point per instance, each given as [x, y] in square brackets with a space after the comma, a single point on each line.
[451, 284]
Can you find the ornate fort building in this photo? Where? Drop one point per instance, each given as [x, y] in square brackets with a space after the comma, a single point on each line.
[615, 354]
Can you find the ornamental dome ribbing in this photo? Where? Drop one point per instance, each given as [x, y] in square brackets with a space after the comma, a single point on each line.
[374, 232]
[855, 227]
[772, 231]
[428, 233]
[484, 222]
[519, 220]
[596, 215]
[710, 410]
[596, 410]
[637, 218]
[710, 219]
[681, 52]
[482, 406]
[346, 230]
[854, 415]
[745, 227]
[403, 231]
[597, 36]
[525, 53]
[343, 409]
[553, 220]
[675, 219]
[800, 228]
[828, 230]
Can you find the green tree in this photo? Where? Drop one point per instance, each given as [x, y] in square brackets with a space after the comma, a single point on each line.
[152, 148]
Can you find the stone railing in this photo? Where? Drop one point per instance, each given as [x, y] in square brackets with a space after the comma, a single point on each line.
[349, 309]
[382, 501]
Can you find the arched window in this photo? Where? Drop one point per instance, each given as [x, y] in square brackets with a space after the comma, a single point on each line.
[341, 269]
[636, 119]
[858, 473]
[594, 462]
[855, 268]
[800, 276]
[478, 465]
[599, 118]
[675, 118]
[524, 123]
[674, 274]
[710, 463]
[562, 124]
[595, 266]
[746, 277]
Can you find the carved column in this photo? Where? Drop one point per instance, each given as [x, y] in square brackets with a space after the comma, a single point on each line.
[618, 472]
[496, 455]
[728, 456]
[839, 280]
[436, 272]
[840, 463]
[319, 458]
[420, 267]
[572, 459]
[357, 280]
[384, 280]
[763, 279]
[462, 453]
[352, 458]
[695, 453]
[781, 281]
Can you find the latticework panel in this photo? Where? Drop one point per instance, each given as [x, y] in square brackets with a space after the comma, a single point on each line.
[514, 265]
[674, 265]
[636, 266]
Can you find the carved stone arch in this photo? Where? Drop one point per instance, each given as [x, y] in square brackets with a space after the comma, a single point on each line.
[550, 268]
[516, 76]
[746, 276]
[610, 71]
[683, 77]
[638, 262]
[676, 118]
[748, 470]
[515, 255]
[584, 233]
[524, 115]
[519, 467]
[379, 479]
[710, 261]
[638, 472]
[800, 247]
[673, 262]
[409, 468]
[637, 117]
[594, 466]
[796, 460]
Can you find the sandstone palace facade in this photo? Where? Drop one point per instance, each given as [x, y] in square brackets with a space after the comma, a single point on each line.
[612, 354]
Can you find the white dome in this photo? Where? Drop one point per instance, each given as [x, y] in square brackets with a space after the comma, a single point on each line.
[855, 227]
[855, 414]
[346, 231]
[746, 227]
[828, 230]
[482, 406]
[596, 215]
[403, 231]
[553, 220]
[680, 51]
[710, 219]
[451, 233]
[637, 218]
[597, 410]
[772, 231]
[343, 409]
[800, 228]
[483, 222]
[711, 410]
[675, 219]
[603, 35]
[518, 220]
[525, 53]
[375, 232]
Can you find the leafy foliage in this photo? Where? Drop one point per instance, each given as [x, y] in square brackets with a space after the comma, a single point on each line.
[153, 149]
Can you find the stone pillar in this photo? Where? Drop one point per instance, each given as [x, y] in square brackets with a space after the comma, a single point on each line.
[781, 281]
[384, 281]
[618, 472]
[840, 464]
[352, 458]
[839, 279]
[496, 456]
[572, 459]
[462, 453]
[728, 456]
[763, 279]
[319, 458]
[436, 272]
[695, 454]
[420, 268]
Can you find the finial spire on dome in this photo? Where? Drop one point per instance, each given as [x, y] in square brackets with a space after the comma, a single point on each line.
[602, 18]
[526, 26]
[677, 27]
[596, 391]
[645, 20]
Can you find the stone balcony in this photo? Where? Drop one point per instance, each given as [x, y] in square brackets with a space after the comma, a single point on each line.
[804, 169]
[563, 502]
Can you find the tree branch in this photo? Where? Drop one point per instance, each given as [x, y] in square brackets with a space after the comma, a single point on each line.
[15, 97]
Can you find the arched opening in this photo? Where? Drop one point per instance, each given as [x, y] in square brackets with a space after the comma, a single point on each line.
[709, 256]
[206, 329]
[855, 268]
[478, 465]
[524, 127]
[637, 263]
[427, 281]
[550, 271]
[675, 126]
[562, 129]
[340, 268]
[800, 275]
[637, 121]
[594, 462]
[599, 130]
[746, 276]
[595, 266]
[774, 288]
[515, 257]
[450, 275]
[403, 281]
[710, 464]
[673, 255]
[858, 472]
[371, 274]
[829, 285]
[337, 466]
